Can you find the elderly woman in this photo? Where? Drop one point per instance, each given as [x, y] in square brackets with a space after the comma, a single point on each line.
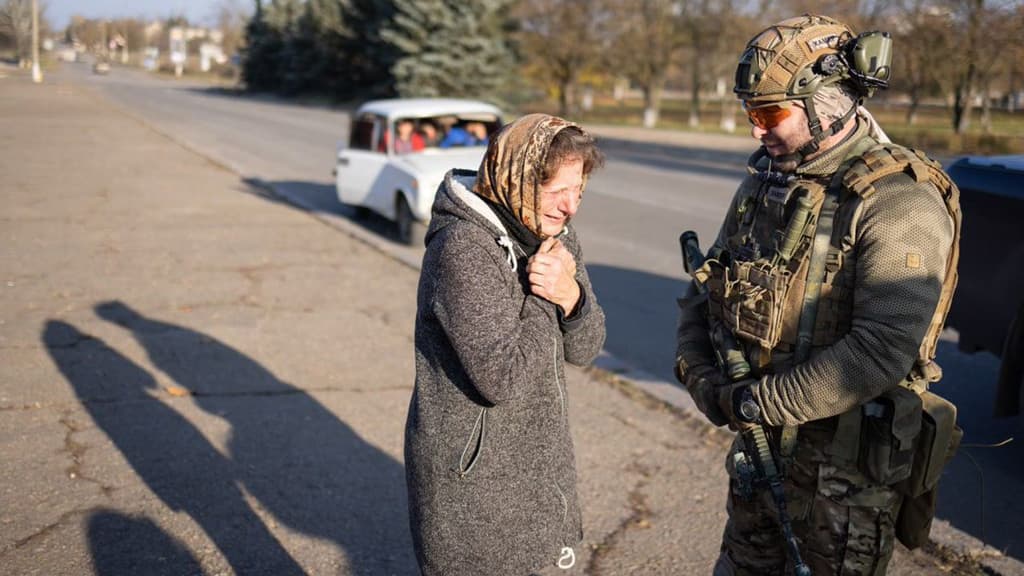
[504, 301]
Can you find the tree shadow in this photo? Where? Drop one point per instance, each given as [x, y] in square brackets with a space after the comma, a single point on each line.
[125, 545]
[319, 198]
[306, 468]
[236, 93]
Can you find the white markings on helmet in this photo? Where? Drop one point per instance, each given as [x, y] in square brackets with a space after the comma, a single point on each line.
[821, 42]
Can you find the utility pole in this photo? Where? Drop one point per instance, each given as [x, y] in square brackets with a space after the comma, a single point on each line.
[37, 73]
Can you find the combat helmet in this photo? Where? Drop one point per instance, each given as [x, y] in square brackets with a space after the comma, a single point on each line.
[793, 59]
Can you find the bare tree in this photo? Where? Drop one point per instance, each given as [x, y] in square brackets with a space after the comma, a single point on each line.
[996, 59]
[1015, 70]
[231, 18]
[969, 16]
[90, 33]
[647, 41]
[923, 30]
[707, 26]
[16, 26]
[560, 39]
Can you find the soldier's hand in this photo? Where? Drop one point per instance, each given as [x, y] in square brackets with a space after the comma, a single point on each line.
[703, 383]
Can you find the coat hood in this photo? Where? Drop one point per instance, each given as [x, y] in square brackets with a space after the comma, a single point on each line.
[455, 201]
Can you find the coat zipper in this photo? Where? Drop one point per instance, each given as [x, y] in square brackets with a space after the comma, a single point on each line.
[558, 382]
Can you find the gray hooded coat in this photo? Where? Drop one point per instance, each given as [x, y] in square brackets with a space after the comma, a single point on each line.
[489, 458]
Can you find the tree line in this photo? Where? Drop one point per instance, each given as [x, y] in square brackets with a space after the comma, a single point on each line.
[504, 50]
[960, 53]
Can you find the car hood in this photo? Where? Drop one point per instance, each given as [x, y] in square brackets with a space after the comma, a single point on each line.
[435, 163]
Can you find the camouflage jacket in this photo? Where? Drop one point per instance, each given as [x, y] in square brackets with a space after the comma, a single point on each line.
[891, 250]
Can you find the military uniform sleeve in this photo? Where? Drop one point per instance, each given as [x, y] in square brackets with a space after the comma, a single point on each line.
[902, 242]
[583, 333]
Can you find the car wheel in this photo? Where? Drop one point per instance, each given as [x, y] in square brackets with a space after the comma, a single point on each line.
[408, 229]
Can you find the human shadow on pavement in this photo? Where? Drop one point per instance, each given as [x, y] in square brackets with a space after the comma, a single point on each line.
[126, 545]
[168, 453]
[308, 469]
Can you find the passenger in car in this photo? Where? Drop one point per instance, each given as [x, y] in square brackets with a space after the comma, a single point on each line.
[472, 134]
[428, 130]
[406, 139]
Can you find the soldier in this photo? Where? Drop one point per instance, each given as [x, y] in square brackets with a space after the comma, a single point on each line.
[811, 325]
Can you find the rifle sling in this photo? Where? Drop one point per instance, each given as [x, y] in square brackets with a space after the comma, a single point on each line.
[812, 287]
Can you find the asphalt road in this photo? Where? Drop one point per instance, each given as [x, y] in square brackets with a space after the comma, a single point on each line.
[630, 221]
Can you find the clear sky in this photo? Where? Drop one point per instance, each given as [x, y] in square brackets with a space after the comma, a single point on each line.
[59, 12]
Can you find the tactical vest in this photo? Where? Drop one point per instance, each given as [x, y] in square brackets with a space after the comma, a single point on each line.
[757, 278]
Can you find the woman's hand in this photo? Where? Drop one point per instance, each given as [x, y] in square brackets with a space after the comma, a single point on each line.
[552, 275]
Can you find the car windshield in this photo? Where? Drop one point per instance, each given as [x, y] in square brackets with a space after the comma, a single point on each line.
[413, 135]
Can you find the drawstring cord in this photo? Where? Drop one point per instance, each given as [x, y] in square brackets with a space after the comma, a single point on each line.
[509, 246]
[567, 559]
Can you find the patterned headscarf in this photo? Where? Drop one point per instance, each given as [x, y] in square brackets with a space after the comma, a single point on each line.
[510, 172]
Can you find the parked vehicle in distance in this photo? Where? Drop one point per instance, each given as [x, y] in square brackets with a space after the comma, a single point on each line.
[988, 308]
[101, 67]
[399, 151]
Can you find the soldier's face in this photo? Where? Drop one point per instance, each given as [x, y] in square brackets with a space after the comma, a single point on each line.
[787, 135]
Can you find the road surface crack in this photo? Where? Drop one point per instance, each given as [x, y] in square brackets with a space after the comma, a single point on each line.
[638, 519]
[76, 450]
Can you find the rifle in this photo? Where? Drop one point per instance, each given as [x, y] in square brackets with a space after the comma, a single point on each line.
[756, 464]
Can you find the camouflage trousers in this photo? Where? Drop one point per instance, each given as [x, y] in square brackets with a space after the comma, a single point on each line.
[843, 523]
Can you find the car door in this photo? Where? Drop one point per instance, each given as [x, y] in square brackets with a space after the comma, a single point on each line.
[359, 165]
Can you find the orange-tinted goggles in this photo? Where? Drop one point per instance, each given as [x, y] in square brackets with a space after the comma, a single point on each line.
[769, 116]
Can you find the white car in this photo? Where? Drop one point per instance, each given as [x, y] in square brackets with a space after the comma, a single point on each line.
[396, 177]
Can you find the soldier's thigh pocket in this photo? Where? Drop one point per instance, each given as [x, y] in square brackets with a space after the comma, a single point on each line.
[850, 527]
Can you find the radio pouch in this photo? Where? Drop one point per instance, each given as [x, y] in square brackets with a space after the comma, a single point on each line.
[939, 440]
[889, 432]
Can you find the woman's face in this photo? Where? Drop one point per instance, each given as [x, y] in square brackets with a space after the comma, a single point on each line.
[560, 197]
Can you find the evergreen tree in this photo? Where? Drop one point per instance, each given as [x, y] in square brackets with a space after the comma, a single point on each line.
[263, 44]
[283, 16]
[333, 37]
[456, 48]
[300, 59]
[324, 46]
[369, 56]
